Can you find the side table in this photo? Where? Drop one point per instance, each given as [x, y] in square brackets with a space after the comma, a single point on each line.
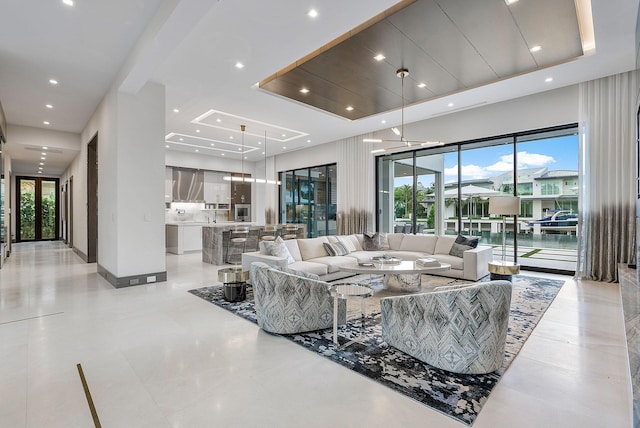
[234, 283]
[503, 270]
[344, 291]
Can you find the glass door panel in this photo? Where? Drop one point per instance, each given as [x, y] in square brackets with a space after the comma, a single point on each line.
[27, 216]
[37, 213]
[48, 209]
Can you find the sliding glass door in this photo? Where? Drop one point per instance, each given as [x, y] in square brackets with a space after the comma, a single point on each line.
[37, 208]
[308, 196]
[446, 190]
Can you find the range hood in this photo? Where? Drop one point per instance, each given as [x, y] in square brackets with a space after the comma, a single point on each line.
[188, 185]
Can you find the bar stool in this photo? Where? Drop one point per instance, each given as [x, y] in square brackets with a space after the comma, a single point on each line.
[268, 233]
[238, 238]
[289, 231]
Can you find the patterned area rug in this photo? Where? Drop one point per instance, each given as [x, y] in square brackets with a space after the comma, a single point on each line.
[458, 396]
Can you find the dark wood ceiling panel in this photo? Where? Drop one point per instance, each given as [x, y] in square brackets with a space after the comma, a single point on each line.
[552, 24]
[490, 28]
[450, 45]
[435, 34]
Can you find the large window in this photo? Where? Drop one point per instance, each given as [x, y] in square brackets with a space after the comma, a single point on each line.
[308, 196]
[447, 190]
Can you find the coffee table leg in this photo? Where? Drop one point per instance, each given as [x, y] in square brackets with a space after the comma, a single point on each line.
[335, 319]
[363, 309]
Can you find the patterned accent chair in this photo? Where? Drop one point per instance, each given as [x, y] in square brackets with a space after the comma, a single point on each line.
[459, 329]
[287, 303]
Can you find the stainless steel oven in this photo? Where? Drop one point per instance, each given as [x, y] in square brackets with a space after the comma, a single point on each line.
[243, 212]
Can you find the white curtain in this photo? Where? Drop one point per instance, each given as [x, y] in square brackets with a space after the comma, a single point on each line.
[356, 186]
[607, 175]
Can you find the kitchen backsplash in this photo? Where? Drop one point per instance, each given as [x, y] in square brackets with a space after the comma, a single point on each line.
[192, 211]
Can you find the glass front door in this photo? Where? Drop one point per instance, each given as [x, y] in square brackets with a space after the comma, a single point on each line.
[37, 215]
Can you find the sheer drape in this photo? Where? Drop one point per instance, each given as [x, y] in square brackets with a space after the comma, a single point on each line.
[356, 186]
[607, 175]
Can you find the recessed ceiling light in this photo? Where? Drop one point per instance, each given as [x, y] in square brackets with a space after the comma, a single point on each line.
[218, 120]
[304, 90]
[46, 123]
[41, 163]
[39, 172]
[43, 154]
[48, 106]
[284, 147]
[312, 13]
[536, 48]
[212, 144]
[167, 146]
[284, 135]
[349, 108]
[197, 130]
[383, 121]
[259, 143]
[548, 79]
[308, 141]
[422, 85]
[68, 2]
[245, 157]
[231, 137]
[53, 81]
[262, 152]
[510, 2]
[181, 139]
[197, 150]
[42, 158]
[222, 154]
[450, 105]
[44, 147]
[175, 110]
[239, 65]
[379, 57]
[240, 148]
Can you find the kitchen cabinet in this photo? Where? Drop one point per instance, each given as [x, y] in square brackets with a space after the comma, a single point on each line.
[183, 237]
[216, 189]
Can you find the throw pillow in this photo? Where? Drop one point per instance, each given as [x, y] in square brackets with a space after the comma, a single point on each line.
[278, 248]
[375, 241]
[463, 244]
[335, 249]
[347, 242]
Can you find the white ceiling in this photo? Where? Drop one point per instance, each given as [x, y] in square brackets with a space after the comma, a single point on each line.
[192, 48]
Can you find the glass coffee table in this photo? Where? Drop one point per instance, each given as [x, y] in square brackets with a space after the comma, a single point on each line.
[346, 291]
[403, 276]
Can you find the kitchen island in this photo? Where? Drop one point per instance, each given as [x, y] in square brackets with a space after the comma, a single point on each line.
[215, 241]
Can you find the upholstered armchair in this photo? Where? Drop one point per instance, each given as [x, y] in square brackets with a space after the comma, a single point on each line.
[288, 303]
[459, 329]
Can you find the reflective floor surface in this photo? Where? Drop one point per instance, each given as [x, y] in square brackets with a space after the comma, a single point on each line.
[156, 356]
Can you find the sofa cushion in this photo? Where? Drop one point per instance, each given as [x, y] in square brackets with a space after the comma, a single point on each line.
[333, 263]
[310, 267]
[406, 255]
[335, 248]
[292, 245]
[455, 262]
[463, 244]
[310, 248]
[395, 240]
[422, 243]
[375, 241]
[278, 248]
[444, 244]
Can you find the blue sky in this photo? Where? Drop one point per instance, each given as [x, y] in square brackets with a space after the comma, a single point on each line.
[559, 153]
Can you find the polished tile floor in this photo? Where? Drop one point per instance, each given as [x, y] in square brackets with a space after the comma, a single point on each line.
[156, 356]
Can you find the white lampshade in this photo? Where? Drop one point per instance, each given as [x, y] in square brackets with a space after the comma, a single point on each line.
[504, 205]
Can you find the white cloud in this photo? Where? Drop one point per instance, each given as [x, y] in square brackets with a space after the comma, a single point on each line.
[505, 164]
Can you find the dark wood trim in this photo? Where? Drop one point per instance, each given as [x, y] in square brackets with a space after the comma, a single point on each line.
[92, 199]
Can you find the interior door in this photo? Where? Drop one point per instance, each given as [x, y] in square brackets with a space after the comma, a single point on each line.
[37, 209]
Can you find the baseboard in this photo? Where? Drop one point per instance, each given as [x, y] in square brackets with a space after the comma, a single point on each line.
[130, 281]
[80, 254]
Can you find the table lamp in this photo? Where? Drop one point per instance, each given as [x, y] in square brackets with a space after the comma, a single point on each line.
[504, 206]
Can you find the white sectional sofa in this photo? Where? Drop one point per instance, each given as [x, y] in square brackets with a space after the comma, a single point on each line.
[310, 256]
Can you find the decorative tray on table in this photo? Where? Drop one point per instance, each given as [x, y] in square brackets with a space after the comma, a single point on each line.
[387, 260]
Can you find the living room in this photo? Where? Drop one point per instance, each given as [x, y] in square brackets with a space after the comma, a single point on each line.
[584, 325]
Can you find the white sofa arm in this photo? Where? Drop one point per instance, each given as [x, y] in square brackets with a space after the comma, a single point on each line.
[257, 256]
[476, 262]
